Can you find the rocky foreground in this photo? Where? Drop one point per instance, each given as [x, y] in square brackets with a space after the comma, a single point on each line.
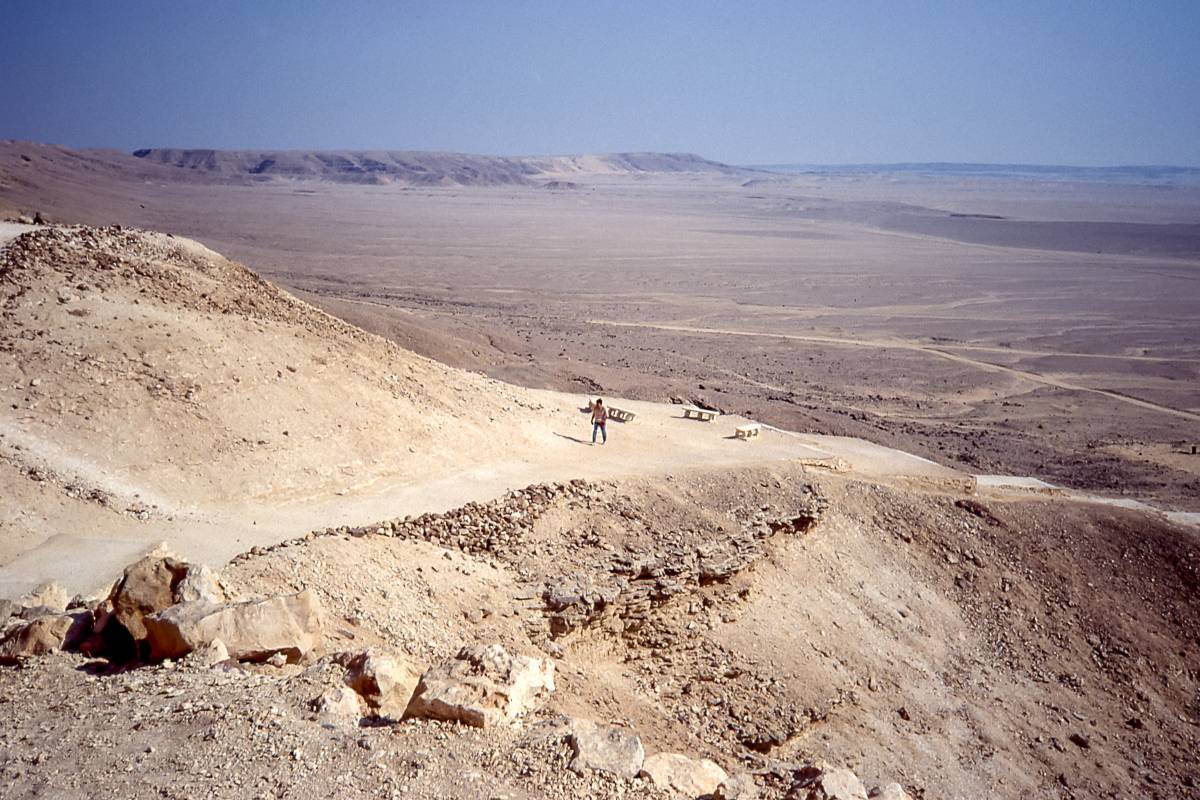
[762, 634]
[174, 624]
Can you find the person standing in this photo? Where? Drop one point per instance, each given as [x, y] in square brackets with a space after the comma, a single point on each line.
[599, 417]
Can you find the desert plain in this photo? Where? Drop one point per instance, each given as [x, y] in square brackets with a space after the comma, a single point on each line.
[961, 559]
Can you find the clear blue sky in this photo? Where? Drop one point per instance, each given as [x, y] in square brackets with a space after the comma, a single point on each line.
[1043, 81]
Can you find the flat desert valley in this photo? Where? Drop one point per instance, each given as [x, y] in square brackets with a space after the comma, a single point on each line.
[960, 559]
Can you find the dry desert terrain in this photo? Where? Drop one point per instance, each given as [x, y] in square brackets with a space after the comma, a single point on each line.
[346, 393]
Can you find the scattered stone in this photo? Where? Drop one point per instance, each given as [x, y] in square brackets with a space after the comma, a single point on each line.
[683, 776]
[208, 655]
[890, 791]
[339, 705]
[482, 686]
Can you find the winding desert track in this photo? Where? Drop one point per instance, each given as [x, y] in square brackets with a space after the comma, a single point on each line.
[940, 352]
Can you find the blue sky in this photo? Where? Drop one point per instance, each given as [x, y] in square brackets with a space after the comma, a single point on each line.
[1062, 82]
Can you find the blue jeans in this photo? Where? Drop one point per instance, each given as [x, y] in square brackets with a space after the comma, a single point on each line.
[599, 426]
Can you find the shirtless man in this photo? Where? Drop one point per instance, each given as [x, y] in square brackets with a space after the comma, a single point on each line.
[599, 417]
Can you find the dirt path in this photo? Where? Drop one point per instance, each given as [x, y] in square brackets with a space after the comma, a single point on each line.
[659, 442]
[11, 230]
[940, 352]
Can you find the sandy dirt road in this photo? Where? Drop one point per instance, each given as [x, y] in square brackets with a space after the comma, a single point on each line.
[659, 441]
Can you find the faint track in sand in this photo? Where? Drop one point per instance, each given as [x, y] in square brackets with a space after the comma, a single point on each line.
[940, 352]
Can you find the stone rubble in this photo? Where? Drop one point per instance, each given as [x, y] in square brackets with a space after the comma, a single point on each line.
[482, 686]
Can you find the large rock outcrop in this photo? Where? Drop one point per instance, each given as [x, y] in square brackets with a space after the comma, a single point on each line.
[156, 583]
[251, 631]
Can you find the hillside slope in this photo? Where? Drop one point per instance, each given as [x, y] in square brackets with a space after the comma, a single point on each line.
[147, 383]
[718, 598]
[153, 355]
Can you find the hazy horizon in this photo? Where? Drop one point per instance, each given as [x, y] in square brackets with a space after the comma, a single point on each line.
[1082, 84]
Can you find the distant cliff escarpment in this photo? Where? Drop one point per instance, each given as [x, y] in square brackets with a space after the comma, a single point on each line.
[420, 168]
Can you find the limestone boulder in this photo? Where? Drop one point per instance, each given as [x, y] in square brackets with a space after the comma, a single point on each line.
[251, 631]
[823, 782]
[339, 705]
[386, 682]
[889, 791]
[199, 582]
[50, 596]
[46, 634]
[482, 686]
[683, 776]
[739, 786]
[606, 748]
[147, 587]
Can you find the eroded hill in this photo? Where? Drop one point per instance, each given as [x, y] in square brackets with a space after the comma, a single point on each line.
[146, 373]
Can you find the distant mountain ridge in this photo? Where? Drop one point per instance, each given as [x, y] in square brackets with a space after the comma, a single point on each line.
[421, 168]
